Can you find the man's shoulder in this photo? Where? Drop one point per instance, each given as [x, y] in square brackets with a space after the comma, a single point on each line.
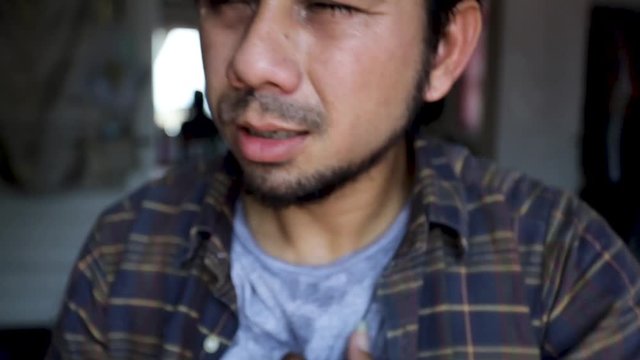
[164, 208]
[142, 250]
[154, 231]
[534, 210]
[540, 247]
[514, 221]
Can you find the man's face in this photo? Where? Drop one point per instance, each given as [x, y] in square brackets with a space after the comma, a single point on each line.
[311, 93]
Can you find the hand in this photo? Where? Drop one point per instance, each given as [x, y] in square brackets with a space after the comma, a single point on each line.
[358, 348]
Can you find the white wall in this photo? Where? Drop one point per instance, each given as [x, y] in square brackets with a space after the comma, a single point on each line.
[40, 237]
[542, 64]
[541, 67]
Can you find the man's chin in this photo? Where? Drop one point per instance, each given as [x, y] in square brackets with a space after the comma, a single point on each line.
[276, 186]
[271, 187]
[279, 195]
[272, 199]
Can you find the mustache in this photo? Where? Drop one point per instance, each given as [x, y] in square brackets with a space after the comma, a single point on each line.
[232, 105]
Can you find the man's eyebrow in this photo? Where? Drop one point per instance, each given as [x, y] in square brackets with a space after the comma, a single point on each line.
[365, 3]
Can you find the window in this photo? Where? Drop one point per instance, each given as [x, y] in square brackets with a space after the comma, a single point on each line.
[177, 74]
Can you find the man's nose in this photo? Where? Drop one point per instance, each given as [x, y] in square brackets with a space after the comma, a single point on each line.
[266, 56]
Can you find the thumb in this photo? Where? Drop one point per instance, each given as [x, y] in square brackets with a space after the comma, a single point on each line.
[359, 344]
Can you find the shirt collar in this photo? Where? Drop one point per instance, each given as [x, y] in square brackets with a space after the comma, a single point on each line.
[213, 225]
[439, 196]
[209, 242]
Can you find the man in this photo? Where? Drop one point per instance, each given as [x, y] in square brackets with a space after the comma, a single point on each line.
[337, 229]
[198, 135]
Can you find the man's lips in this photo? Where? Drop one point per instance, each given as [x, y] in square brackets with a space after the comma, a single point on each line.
[270, 143]
[264, 126]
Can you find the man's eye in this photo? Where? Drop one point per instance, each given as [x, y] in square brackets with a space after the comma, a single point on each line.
[333, 8]
[219, 3]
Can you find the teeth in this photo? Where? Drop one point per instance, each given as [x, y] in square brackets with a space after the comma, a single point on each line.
[276, 135]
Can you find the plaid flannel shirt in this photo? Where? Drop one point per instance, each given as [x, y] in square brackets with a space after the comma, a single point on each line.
[494, 265]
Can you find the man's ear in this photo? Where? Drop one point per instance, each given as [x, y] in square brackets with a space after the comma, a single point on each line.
[456, 46]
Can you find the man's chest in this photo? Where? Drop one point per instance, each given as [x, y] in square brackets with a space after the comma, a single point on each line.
[443, 310]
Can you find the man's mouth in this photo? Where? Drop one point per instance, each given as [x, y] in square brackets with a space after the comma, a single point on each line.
[270, 143]
[274, 134]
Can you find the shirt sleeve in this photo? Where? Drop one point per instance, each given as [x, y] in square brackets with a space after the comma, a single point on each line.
[591, 292]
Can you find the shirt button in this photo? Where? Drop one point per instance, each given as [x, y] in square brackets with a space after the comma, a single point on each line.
[211, 344]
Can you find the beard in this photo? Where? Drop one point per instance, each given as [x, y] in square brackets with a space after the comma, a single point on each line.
[315, 187]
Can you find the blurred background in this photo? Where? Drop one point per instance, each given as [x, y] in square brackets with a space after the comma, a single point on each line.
[99, 96]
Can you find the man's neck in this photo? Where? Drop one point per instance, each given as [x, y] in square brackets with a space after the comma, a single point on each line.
[348, 220]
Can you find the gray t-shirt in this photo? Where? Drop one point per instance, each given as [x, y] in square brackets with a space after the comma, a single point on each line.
[307, 310]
